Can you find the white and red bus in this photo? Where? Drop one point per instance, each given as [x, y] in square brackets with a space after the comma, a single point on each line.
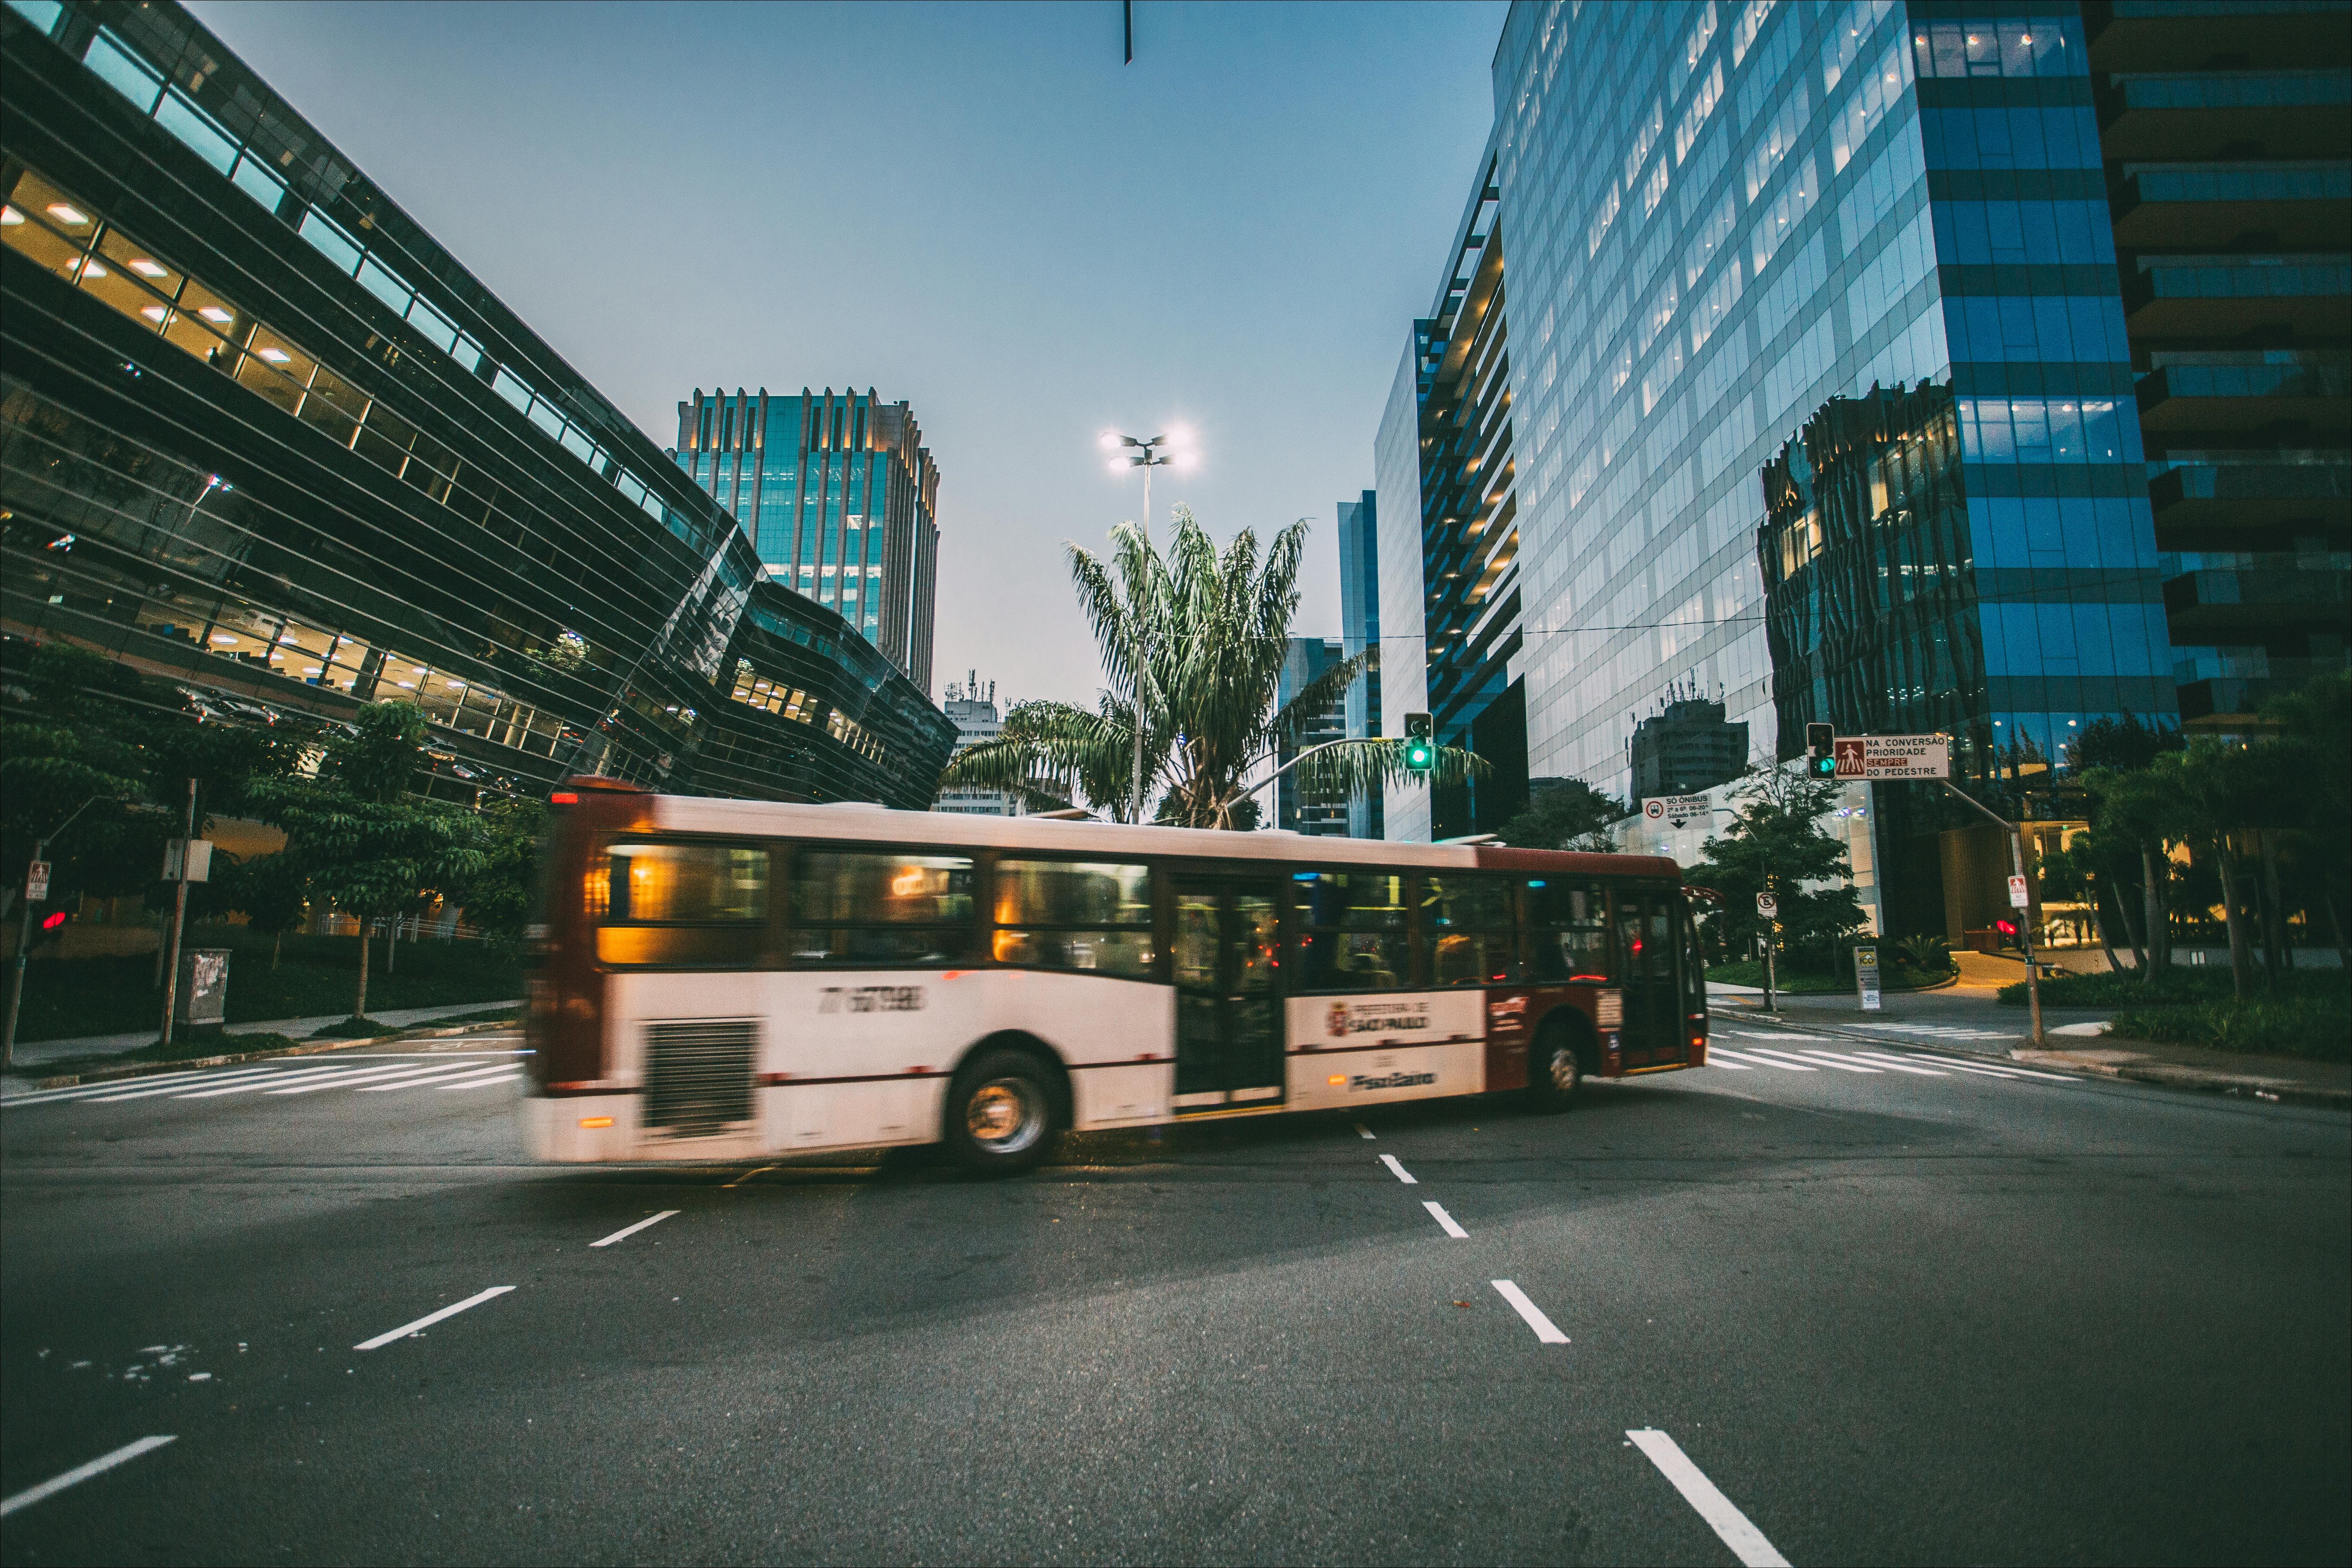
[724, 979]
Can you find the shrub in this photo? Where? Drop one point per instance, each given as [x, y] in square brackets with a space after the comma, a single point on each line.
[1929, 955]
[2318, 1028]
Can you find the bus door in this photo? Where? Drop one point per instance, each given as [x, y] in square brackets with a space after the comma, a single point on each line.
[1228, 993]
[1652, 1035]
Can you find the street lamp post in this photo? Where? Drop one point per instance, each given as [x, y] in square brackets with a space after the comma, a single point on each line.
[1129, 452]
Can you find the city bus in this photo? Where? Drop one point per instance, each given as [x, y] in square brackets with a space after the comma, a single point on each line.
[722, 980]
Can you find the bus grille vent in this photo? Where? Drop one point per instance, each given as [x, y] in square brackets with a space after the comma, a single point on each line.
[699, 1075]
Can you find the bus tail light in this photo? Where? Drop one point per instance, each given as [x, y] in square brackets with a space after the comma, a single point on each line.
[595, 1120]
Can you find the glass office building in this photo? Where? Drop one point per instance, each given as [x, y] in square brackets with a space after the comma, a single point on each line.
[262, 437]
[1456, 607]
[839, 497]
[1307, 660]
[1360, 629]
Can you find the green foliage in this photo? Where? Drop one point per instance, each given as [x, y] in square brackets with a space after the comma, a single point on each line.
[1929, 955]
[1776, 843]
[502, 896]
[1568, 815]
[2318, 1028]
[270, 891]
[2176, 983]
[1205, 636]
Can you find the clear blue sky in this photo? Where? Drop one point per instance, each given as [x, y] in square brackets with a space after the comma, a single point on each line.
[974, 207]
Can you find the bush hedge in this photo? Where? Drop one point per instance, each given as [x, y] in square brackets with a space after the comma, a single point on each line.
[2318, 1028]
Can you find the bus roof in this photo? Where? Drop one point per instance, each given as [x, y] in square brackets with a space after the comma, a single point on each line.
[878, 824]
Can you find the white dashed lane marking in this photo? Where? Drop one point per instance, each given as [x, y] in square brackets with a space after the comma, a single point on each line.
[1547, 1332]
[81, 1473]
[429, 1318]
[1402, 1174]
[1747, 1541]
[1437, 1212]
[628, 1230]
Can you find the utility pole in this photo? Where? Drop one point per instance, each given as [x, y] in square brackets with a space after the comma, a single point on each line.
[2025, 916]
[178, 916]
[24, 934]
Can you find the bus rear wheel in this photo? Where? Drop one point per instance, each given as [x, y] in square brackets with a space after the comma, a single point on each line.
[1003, 1115]
[1555, 1072]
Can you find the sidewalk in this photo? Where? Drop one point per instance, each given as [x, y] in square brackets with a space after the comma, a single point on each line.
[39, 1053]
[2283, 1078]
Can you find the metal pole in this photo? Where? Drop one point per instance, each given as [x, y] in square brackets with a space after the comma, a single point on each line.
[1142, 637]
[2025, 917]
[2025, 934]
[179, 917]
[17, 975]
[1768, 945]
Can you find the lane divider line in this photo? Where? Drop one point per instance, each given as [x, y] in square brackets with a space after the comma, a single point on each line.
[81, 1473]
[1747, 1541]
[1452, 1228]
[1402, 1175]
[747, 1176]
[628, 1230]
[1547, 1332]
[429, 1318]
[1362, 1130]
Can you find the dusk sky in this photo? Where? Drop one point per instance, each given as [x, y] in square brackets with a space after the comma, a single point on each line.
[974, 207]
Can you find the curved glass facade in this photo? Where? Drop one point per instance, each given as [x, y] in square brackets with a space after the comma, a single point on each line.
[259, 434]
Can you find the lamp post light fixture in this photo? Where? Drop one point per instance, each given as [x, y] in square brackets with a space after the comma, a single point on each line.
[1157, 452]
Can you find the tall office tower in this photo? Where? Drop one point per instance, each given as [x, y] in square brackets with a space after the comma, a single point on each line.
[840, 497]
[1359, 628]
[263, 436]
[971, 707]
[1859, 252]
[2224, 130]
[1308, 659]
[1688, 745]
[1450, 421]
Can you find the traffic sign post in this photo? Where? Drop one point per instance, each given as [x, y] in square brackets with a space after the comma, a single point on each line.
[37, 881]
[2017, 896]
[1866, 977]
[1768, 909]
[2020, 894]
[1892, 756]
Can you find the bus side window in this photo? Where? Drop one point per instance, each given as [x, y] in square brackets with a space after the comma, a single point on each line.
[681, 902]
[1694, 969]
[1466, 926]
[1067, 915]
[1568, 930]
[1350, 931]
[881, 908]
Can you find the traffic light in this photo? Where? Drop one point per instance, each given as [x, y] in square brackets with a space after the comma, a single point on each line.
[1420, 751]
[1820, 751]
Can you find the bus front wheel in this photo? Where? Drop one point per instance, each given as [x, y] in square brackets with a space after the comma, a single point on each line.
[1554, 1071]
[1001, 1112]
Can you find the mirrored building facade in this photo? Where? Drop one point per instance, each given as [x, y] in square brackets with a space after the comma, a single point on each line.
[839, 497]
[261, 435]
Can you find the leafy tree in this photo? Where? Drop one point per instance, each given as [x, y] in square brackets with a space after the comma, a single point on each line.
[361, 843]
[272, 891]
[1568, 815]
[1776, 844]
[1209, 634]
[2314, 737]
[502, 896]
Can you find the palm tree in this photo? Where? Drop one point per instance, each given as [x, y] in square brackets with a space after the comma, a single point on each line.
[1208, 633]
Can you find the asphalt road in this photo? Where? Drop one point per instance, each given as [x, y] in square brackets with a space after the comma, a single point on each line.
[1920, 1313]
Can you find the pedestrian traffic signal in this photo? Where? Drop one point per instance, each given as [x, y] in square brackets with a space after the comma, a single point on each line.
[1420, 751]
[1820, 751]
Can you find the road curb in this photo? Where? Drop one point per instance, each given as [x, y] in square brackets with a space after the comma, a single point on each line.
[2155, 1072]
[2190, 1078]
[231, 1058]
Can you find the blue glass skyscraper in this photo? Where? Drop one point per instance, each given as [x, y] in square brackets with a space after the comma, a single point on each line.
[1359, 628]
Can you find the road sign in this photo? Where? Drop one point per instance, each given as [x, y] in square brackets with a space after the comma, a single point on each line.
[37, 881]
[1768, 906]
[1893, 756]
[1866, 977]
[2017, 893]
[1676, 809]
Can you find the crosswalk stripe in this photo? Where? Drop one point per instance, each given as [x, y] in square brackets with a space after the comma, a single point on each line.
[264, 1082]
[1827, 1061]
[242, 1075]
[1982, 1072]
[482, 1081]
[401, 1069]
[1879, 1061]
[1767, 1061]
[1718, 1056]
[85, 1090]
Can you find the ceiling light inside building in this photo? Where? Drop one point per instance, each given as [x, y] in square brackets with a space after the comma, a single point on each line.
[146, 268]
[215, 313]
[66, 214]
[275, 355]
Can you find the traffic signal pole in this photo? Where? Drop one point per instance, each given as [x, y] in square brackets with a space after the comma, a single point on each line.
[2024, 916]
[25, 936]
